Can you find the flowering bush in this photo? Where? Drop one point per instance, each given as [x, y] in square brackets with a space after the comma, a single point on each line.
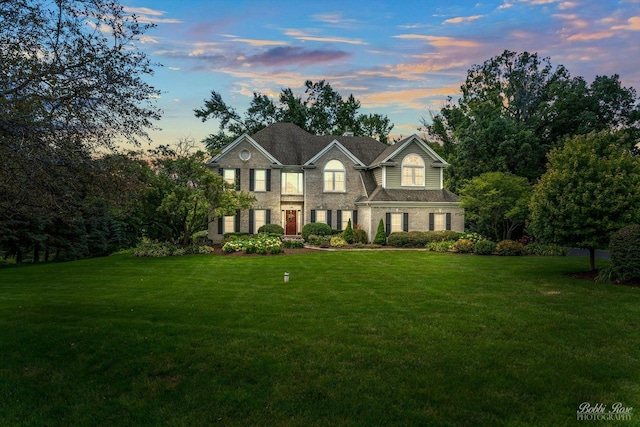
[338, 242]
[474, 237]
[441, 246]
[262, 244]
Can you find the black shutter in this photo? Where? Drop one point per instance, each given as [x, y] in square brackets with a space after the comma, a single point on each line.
[252, 179]
[268, 179]
[388, 223]
[267, 216]
[313, 215]
[220, 224]
[405, 221]
[329, 218]
[237, 179]
[339, 220]
[237, 225]
[251, 218]
[220, 171]
[431, 222]
[354, 218]
[448, 221]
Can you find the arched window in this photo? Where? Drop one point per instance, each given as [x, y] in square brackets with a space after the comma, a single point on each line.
[413, 170]
[334, 176]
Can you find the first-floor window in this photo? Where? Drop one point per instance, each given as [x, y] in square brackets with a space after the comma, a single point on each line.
[345, 216]
[321, 216]
[396, 222]
[229, 224]
[439, 221]
[259, 218]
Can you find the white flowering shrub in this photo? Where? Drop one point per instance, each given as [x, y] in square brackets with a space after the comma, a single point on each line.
[262, 244]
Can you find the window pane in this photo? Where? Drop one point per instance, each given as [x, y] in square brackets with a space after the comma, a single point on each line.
[396, 222]
[321, 216]
[229, 224]
[230, 176]
[259, 218]
[439, 222]
[346, 216]
[260, 180]
[291, 183]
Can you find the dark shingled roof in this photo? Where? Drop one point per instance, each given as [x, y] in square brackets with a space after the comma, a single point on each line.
[292, 145]
[396, 195]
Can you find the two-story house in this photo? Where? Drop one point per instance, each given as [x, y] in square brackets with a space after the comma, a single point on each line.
[299, 178]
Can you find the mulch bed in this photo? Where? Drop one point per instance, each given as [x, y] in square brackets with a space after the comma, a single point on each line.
[592, 275]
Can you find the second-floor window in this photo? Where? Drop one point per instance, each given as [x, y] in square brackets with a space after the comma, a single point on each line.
[413, 171]
[334, 176]
[292, 183]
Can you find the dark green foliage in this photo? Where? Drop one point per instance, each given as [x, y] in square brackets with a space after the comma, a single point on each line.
[347, 234]
[381, 235]
[293, 243]
[157, 250]
[360, 236]
[419, 239]
[625, 253]
[271, 229]
[509, 248]
[316, 228]
[544, 250]
[484, 247]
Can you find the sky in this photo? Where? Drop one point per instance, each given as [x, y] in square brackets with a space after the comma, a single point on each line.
[399, 58]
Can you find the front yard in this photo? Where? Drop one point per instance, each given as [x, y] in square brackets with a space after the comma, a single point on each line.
[354, 338]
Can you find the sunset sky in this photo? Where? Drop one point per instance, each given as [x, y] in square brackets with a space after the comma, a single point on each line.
[399, 58]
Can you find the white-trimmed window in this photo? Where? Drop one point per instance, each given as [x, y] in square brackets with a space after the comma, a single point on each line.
[229, 176]
[260, 180]
[413, 171]
[259, 218]
[439, 222]
[229, 224]
[334, 174]
[345, 216]
[396, 222]
[292, 183]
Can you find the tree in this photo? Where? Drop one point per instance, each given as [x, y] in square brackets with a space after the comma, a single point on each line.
[381, 235]
[323, 112]
[590, 190]
[71, 82]
[496, 203]
[188, 194]
[514, 108]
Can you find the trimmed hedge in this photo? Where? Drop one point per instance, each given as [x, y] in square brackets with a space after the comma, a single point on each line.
[509, 248]
[484, 247]
[271, 229]
[463, 246]
[420, 239]
[624, 248]
[318, 229]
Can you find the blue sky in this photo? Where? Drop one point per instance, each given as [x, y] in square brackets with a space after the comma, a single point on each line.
[399, 58]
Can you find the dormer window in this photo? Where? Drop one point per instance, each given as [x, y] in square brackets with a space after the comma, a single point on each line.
[334, 176]
[413, 171]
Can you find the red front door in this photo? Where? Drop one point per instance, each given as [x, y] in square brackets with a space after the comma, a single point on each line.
[291, 228]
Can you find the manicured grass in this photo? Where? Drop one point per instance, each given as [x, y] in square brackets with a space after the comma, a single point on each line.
[354, 339]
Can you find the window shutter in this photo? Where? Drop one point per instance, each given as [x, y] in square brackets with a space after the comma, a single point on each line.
[237, 179]
[388, 223]
[431, 222]
[220, 171]
[252, 179]
[268, 179]
[448, 221]
[267, 216]
[237, 228]
[329, 218]
[354, 218]
[405, 221]
[220, 224]
[251, 225]
[339, 220]
[313, 215]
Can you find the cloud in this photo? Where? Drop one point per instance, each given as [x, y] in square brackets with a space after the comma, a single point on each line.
[332, 18]
[146, 15]
[257, 42]
[439, 41]
[148, 39]
[300, 35]
[583, 37]
[633, 24]
[290, 55]
[462, 19]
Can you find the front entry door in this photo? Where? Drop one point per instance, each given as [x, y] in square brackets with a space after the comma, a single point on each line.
[291, 228]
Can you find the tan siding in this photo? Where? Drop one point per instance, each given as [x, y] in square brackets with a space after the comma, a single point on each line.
[377, 173]
[432, 175]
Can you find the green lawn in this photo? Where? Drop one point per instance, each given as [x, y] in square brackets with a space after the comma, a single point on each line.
[355, 338]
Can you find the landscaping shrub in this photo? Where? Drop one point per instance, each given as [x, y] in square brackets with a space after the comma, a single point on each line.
[440, 236]
[474, 237]
[317, 228]
[399, 239]
[440, 246]
[201, 238]
[544, 250]
[381, 235]
[235, 236]
[157, 250]
[624, 248]
[262, 244]
[274, 229]
[463, 246]
[347, 235]
[509, 248]
[338, 241]
[484, 247]
[293, 243]
[360, 236]
[198, 250]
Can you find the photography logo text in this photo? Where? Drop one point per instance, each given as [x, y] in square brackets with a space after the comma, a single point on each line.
[601, 412]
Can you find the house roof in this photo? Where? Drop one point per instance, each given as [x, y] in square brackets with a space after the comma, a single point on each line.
[279, 139]
[397, 195]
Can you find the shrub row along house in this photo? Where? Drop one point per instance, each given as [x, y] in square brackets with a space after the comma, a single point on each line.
[299, 178]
